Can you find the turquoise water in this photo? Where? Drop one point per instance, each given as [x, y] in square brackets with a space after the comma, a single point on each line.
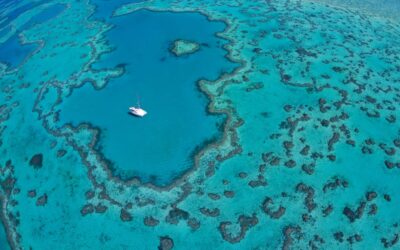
[307, 156]
[3, 238]
[160, 146]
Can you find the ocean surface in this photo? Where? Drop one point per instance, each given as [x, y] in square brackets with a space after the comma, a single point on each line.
[160, 146]
[281, 131]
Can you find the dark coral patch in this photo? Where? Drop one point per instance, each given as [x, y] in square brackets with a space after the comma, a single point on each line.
[229, 193]
[338, 236]
[193, 223]
[36, 161]
[354, 238]
[89, 194]
[61, 153]
[371, 195]
[32, 193]
[8, 184]
[175, 215]
[210, 212]
[266, 207]
[150, 221]
[354, 215]
[100, 208]
[166, 243]
[245, 223]
[328, 210]
[309, 199]
[335, 183]
[291, 233]
[125, 215]
[260, 182]
[87, 209]
[214, 196]
[387, 243]
[42, 200]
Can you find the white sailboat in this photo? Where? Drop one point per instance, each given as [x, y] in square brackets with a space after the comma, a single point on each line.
[137, 111]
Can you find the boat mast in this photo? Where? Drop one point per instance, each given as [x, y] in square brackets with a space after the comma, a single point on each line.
[138, 101]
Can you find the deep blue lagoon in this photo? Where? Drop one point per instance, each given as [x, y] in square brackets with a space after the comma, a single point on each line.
[162, 145]
[13, 53]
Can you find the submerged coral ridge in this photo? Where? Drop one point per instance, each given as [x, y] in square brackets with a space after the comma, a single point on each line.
[184, 47]
[308, 156]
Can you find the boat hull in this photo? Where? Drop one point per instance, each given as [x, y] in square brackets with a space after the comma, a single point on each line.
[137, 111]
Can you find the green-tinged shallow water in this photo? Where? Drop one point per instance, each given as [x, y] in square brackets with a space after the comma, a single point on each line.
[280, 131]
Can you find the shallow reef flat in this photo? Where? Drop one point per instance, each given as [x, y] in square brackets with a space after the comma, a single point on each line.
[308, 155]
[184, 47]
